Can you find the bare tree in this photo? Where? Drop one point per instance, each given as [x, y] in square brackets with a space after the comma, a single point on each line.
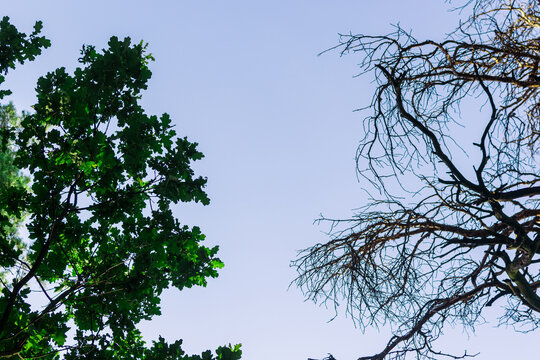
[459, 235]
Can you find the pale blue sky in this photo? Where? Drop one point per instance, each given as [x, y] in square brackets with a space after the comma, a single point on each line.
[276, 123]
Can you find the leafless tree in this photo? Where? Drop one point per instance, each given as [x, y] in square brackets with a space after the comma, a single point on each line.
[459, 235]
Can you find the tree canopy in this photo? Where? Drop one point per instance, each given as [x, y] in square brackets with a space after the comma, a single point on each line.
[454, 224]
[102, 240]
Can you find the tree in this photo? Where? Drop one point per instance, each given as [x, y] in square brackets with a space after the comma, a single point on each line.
[103, 242]
[10, 177]
[445, 236]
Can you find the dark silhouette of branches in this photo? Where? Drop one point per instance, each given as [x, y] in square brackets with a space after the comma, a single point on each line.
[462, 234]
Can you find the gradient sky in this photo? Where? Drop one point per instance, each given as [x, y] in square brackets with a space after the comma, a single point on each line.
[276, 124]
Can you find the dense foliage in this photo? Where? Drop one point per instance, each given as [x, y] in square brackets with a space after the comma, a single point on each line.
[102, 240]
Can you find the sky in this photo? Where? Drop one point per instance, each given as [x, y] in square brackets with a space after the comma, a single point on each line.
[277, 127]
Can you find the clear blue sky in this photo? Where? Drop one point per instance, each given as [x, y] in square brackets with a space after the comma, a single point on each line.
[276, 123]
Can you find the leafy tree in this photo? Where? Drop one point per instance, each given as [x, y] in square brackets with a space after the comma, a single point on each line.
[10, 177]
[454, 226]
[103, 242]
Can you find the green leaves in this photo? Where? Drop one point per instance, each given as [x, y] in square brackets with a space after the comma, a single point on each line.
[12, 191]
[103, 242]
[163, 351]
[17, 47]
